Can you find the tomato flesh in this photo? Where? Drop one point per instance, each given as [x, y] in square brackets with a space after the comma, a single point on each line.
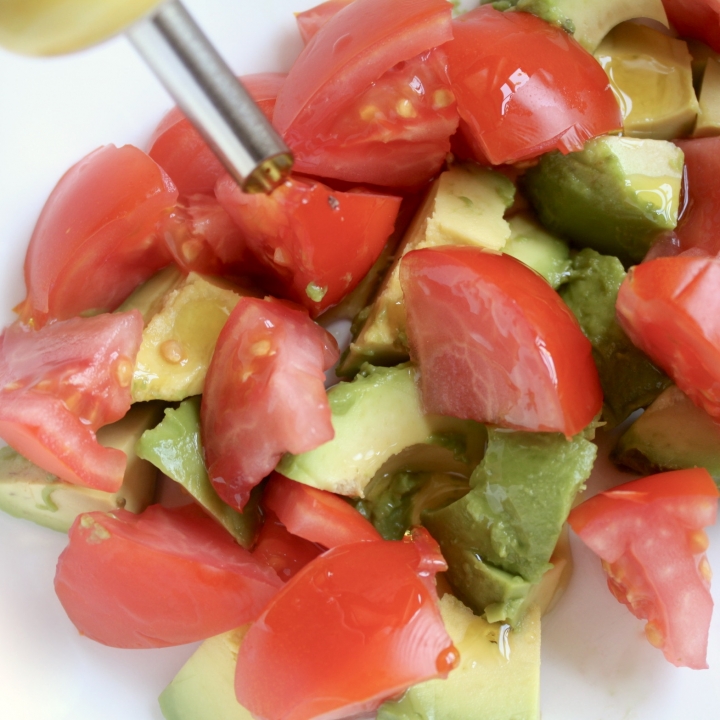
[495, 343]
[696, 19]
[310, 21]
[649, 536]
[321, 648]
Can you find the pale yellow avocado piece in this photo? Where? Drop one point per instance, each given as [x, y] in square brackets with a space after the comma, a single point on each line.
[28, 492]
[498, 677]
[465, 206]
[651, 76]
[700, 53]
[708, 121]
[378, 417]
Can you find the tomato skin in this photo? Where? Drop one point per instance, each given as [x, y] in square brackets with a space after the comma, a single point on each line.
[97, 237]
[525, 87]
[264, 394]
[696, 19]
[306, 233]
[316, 515]
[310, 21]
[321, 647]
[495, 343]
[670, 309]
[63, 382]
[649, 536]
[164, 577]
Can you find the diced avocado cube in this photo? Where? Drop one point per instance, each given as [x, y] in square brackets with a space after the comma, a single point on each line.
[651, 76]
[616, 195]
[498, 677]
[629, 379]
[700, 52]
[672, 434]
[174, 446]
[150, 296]
[708, 122]
[28, 492]
[376, 417]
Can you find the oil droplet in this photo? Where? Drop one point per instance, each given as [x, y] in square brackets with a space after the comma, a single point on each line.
[405, 108]
[172, 351]
[123, 372]
[442, 99]
[447, 660]
[333, 202]
[654, 635]
[698, 542]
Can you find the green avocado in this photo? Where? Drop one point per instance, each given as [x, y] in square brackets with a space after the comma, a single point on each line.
[708, 122]
[672, 434]
[28, 492]
[378, 418]
[174, 447]
[629, 380]
[498, 677]
[616, 195]
[499, 538]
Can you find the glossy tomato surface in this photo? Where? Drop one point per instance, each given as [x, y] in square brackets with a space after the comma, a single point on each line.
[264, 394]
[60, 384]
[649, 534]
[164, 577]
[495, 343]
[321, 648]
[310, 21]
[525, 87]
[97, 237]
[696, 19]
[318, 243]
[670, 308]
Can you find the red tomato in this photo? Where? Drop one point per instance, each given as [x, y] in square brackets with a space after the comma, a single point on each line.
[264, 394]
[649, 536]
[316, 515]
[318, 242]
[670, 308]
[165, 577]
[525, 87]
[286, 553]
[180, 150]
[366, 101]
[696, 19]
[495, 343]
[63, 382]
[97, 237]
[356, 626]
[310, 21]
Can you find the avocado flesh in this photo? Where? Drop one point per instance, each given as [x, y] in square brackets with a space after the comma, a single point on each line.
[616, 195]
[628, 378]
[708, 122]
[376, 417]
[672, 434]
[174, 446]
[651, 76]
[499, 538]
[498, 677]
[465, 206]
[28, 492]
[589, 21]
[204, 689]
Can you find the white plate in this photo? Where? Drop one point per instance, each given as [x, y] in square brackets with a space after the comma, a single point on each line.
[596, 664]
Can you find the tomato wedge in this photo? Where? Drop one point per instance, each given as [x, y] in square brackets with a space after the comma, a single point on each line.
[58, 385]
[164, 577]
[369, 101]
[649, 534]
[525, 87]
[264, 394]
[316, 515]
[310, 21]
[97, 237]
[696, 19]
[321, 648]
[670, 309]
[495, 343]
[319, 243]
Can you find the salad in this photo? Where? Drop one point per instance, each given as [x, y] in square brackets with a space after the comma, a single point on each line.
[591, 648]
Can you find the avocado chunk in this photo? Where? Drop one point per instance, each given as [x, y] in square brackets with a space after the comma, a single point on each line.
[616, 195]
[498, 677]
[700, 52]
[28, 492]
[629, 379]
[708, 121]
[376, 417]
[174, 447]
[672, 434]
[204, 689]
[533, 245]
[587, 20]
[651, 76]
[465, 206]
[149, 297]
[179, 338]
[499, 538]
